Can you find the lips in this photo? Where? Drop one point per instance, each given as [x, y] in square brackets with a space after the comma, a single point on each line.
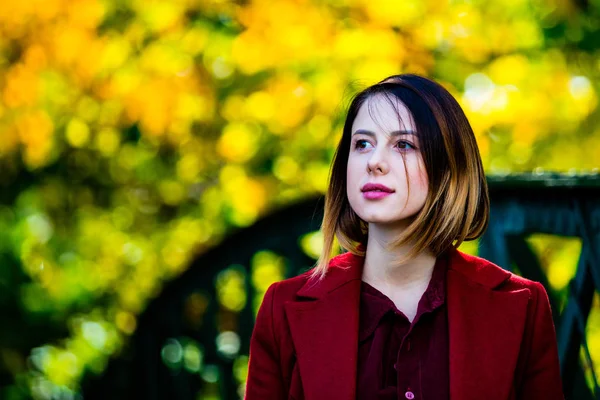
[376, 187]
[375, 191]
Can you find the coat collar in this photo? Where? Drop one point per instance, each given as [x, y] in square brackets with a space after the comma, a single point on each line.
[483, 325]
[344, 268]
[347, 267]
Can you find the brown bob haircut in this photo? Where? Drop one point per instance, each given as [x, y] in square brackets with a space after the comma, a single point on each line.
[457, 205]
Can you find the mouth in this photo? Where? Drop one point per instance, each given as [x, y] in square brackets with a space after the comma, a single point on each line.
[376, 187]
[375, 194]
[374, 191]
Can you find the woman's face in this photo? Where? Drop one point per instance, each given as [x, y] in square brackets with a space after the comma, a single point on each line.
[385, 151]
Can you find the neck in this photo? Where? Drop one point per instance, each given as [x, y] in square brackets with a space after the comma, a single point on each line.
[379, 268]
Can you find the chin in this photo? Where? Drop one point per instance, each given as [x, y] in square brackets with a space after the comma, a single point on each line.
[387, 219]
[388, 222]
[381, 219]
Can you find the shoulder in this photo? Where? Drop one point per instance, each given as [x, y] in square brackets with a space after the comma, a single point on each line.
[482, 272]
[486, 273]
[537, 371]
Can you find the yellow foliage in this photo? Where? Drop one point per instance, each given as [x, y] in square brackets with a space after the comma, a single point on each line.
[78, 133]
[126, 322]
[239, 141]
[21, 87]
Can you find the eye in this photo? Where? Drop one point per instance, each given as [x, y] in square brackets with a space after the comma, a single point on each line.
[361, 144]
[403, 145]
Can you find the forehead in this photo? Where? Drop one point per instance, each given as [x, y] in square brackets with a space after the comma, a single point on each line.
[382, 113]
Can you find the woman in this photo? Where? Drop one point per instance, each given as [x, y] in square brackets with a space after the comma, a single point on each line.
[403, 314]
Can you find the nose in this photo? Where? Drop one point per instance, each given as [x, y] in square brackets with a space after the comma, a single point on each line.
[377, 163]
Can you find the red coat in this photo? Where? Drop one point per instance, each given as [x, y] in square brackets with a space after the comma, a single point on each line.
[501, 335]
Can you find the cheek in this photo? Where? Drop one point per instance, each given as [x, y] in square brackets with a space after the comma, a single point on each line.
[353, 179]
[352, 173]
[419, 183]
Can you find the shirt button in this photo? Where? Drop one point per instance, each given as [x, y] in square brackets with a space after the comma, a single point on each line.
[409, 395]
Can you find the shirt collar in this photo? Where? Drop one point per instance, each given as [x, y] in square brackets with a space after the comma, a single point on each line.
[374, 305]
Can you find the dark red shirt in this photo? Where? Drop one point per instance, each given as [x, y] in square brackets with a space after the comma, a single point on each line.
[402, 360]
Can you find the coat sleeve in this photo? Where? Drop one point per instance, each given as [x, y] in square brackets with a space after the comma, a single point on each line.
[264, 371]
[541, 378]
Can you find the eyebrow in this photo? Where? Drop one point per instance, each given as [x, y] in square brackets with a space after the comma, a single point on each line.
[393, 133]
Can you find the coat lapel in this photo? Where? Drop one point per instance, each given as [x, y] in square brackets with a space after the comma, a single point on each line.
[485, 329]
[325, 331]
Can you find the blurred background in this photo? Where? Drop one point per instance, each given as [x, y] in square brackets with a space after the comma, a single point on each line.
[137, 138]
